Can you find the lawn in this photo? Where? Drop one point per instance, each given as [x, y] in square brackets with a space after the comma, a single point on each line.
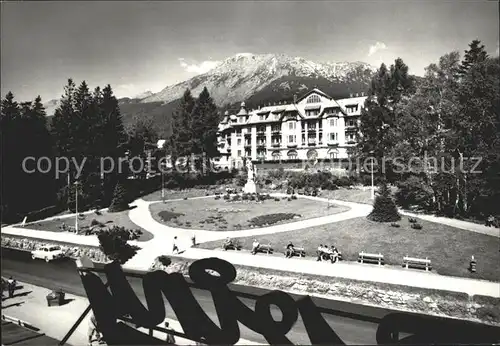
[449, 249]
[120, 219]
[218, 215]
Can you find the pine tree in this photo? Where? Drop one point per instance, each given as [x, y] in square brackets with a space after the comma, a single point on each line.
[205, 123]
[384, 208]
[120, 199]
[181, 140]
[475, 54]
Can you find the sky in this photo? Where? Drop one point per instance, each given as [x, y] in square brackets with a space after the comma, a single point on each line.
[138, 46]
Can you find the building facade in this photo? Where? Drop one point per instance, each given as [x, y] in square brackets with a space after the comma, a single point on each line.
[314, 126]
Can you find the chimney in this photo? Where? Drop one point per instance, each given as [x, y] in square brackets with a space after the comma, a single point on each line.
[350, 95]
[362, 93]
[357, 94]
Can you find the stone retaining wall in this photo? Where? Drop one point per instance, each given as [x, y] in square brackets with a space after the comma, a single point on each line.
[403, 298]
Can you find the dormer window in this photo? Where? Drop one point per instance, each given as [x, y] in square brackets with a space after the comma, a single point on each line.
[314, 99]
[261, 118]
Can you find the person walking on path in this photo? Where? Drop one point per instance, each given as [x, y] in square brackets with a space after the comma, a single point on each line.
[175, 249]
[170, 338]
[11, 286]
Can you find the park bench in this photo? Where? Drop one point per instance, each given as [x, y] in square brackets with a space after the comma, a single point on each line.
[264, 248]
[231, 246]
[373, 258]
[297, 251]
[418, 263]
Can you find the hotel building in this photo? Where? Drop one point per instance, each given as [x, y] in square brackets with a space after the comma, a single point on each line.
[314, 126]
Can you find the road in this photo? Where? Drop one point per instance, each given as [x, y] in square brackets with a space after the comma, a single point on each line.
[63, 274]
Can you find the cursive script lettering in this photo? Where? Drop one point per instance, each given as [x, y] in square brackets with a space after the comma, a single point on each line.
[120, 300]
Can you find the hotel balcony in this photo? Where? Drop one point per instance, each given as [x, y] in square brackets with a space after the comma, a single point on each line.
[311, 141]
[291, 145]
[248, 134]
[351, 127]
[351, 141]
[332, 142]
[261, 132]
[248, 145]
[276, 131]
[276, 144]
[261, 144]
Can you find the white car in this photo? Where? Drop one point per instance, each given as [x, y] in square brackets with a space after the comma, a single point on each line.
[48, 253]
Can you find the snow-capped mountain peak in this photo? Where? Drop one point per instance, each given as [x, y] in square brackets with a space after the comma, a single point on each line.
[242, 75]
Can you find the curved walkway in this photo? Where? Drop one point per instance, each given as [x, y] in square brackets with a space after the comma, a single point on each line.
[162, 242]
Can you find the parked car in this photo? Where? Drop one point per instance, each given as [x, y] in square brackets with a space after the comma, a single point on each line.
[48, 253]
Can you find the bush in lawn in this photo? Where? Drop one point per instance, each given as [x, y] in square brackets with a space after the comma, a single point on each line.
[294, 196]
[119, 202]
[412, 220]
[113, 243]
[244, 197]
[416, 226]
[395, 225]
[217, 196]
[276, 199]
[384, 208]
[94, 222]
[236, 198]
[227, 197]
[289, 199]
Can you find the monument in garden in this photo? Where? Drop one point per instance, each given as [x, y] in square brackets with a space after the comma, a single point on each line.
[250, 186]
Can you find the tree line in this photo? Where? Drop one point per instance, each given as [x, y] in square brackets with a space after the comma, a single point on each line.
[451, 117]
[86, 127]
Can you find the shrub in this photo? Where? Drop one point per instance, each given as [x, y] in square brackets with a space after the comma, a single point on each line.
[384, 208]
[414, 191]
[113, 243]
[294, 196]
[276, 199]
[227, 196]
[217, 196]
[236, 198]
[416, 226]
[289, 199]
[412, 220]
[94, 222]
[244, 197]
[395, 225]
[164, 260]
[119, 202]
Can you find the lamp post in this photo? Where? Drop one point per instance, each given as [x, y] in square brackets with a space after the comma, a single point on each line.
[373, 186]
[76, 206]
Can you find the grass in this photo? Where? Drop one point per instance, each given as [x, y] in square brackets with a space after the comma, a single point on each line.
[449, 249]
[109, 219]
[216, 215]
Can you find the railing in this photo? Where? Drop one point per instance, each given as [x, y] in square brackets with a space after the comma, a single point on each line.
[419, 327]
[261, 144]
[275, 145]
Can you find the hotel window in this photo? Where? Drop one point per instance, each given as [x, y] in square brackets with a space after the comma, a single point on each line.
[292, 154]
[276, 117]
[239, 142]
[311, 126]
[291, 125]
[276, 128]
[351, 137]
[351, 123]
[291, 139]
[261, 117]
[333, 137]
[239, 153]
[238, 133]
[334, 122]
[311, 113]
[313, 99]
[241, 119]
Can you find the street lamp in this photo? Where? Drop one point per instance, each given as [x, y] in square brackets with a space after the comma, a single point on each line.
[373, 186]
[76, 206]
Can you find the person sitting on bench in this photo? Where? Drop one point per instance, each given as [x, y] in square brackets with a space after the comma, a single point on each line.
[255, 246]
[289, 250]
[320, 252]
[490, 221]
[334, 254]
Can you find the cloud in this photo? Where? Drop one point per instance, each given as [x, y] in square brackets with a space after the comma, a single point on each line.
[200, 68]
[376, 47]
